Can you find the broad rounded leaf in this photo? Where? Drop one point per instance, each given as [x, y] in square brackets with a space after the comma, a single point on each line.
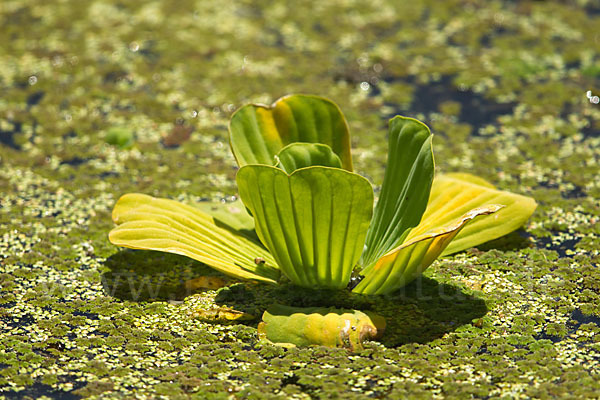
[258, 132]
[232, 215]
[301, 155]
[454, 194]
[405, 188]
[313, 222]
[407, 262]
[149, 223]
[294, 326]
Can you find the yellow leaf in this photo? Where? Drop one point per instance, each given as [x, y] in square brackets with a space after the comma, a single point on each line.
[296, 326]
[205, 283]
[222, 314]
[405, 263]
[149, 223]
[453, 195]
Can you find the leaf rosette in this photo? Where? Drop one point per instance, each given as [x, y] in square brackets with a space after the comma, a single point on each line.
[308, 218]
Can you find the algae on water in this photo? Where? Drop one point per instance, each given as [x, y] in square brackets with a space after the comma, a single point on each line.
[80, 318]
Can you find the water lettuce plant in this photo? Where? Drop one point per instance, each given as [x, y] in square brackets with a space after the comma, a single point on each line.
[306, 217]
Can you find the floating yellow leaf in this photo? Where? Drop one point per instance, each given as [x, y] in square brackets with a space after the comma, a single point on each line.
[408, 261]
[205, 283]
[222, 314]
[330, 327]
[455, 194]
[149, 223]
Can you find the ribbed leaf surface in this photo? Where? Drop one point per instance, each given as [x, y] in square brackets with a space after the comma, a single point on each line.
[405, 188]
[257, 132]
[231, 215]
[313, 222]
[407, 262]
[454, 194]
[149, 223]
[301, 155]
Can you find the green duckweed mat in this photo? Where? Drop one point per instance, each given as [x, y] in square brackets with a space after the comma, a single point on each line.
[100, 98]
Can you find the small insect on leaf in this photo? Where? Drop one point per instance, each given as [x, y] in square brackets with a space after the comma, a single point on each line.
[330, 327]
[259, 260]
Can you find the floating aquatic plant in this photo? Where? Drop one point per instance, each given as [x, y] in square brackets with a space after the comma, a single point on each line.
[306, 217]
[312, 218]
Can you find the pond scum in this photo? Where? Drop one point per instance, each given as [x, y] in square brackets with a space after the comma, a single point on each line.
[103, 98]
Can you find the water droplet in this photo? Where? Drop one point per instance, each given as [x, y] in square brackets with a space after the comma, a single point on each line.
[194, 113]
[134, 46]
[365, 86]
[595, 99]
[156, 77]
[378, 68]
[57, 61]
[68, 117]
[462, 87]
[231, 107]
[588, 94]
[32, 80]
[216, 110]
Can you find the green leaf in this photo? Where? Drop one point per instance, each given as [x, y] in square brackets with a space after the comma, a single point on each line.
[257, 132]
[232, 215]
[301, 155]
[408, 261]
[455, 194]
[294, 326]
[313, 222]
[405, 188]
[149, 223]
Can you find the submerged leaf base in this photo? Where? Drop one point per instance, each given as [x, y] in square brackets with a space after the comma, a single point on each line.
[295, 326]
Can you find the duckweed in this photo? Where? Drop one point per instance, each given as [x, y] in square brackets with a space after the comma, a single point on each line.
[503, 86]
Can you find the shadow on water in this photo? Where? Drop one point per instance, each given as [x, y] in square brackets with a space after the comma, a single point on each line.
[426, 310]
[515, 240]
[421, 312]
[143, 275]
